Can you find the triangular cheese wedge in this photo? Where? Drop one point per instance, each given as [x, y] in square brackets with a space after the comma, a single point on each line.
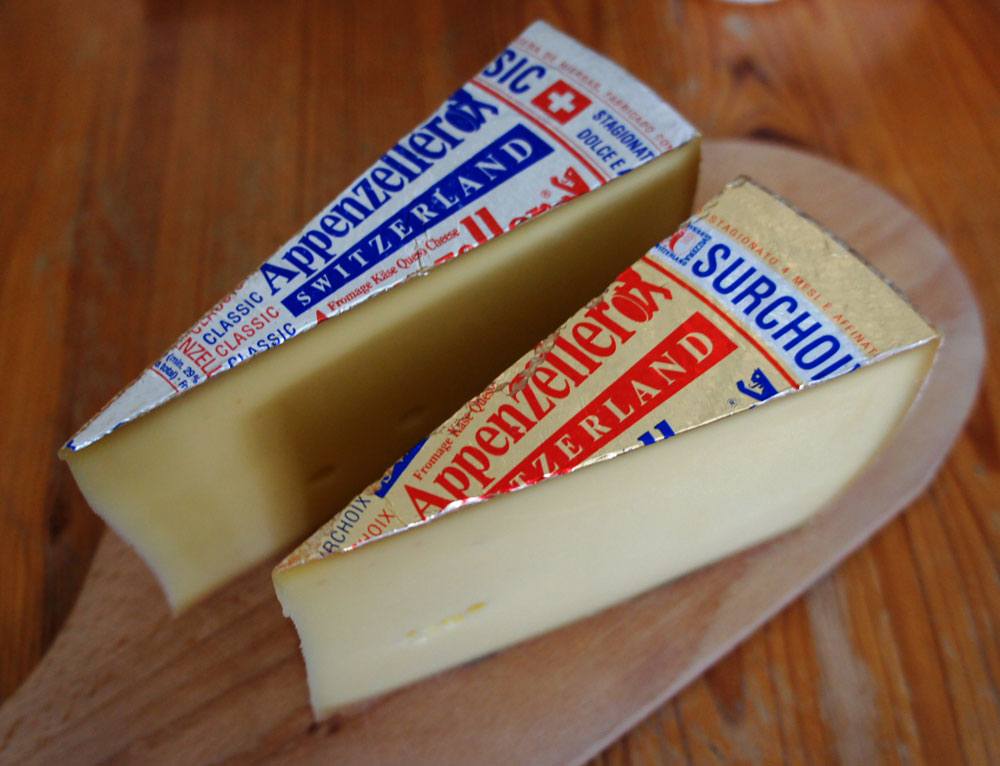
[722, 389]
[207, 473]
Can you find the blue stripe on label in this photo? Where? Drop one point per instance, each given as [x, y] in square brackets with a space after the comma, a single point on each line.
[397, 469]
[489, 168]
[665, 429]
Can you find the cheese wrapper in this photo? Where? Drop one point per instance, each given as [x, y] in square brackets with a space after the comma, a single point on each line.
[749, 301]
[545, 122]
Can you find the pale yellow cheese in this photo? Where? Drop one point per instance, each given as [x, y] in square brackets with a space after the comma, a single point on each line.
[246, 464]
[403, 607]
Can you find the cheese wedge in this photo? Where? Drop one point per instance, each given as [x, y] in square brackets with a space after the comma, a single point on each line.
[721, 391]
[206, 473]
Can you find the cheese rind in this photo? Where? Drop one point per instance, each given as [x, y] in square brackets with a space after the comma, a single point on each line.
[207, 477]
[721, 390]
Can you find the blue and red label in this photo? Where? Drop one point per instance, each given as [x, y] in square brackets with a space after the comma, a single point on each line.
[546, 121]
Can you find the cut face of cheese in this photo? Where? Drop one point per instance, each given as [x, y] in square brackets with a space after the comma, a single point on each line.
[208, 483]
[707, 401]
[525, 562]
[233, 471]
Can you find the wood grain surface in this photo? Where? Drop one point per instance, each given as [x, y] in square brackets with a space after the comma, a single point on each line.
[126, 683]
[146, 146]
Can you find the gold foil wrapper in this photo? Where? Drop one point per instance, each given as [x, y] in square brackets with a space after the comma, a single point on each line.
[748, 302]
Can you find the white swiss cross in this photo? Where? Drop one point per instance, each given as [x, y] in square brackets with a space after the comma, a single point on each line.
[561, 101]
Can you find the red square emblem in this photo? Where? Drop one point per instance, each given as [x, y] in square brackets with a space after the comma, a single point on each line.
[561, 101]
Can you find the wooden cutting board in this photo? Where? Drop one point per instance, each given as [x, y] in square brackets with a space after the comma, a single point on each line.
[124, 682]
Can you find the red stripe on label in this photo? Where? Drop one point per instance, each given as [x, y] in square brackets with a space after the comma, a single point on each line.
[565, 144]
[165, 378]
[688, 352]
[729, 320]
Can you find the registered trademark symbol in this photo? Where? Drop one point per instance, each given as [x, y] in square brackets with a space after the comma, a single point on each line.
[546, 194]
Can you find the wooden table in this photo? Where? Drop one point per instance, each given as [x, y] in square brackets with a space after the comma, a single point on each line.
[153, 153]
